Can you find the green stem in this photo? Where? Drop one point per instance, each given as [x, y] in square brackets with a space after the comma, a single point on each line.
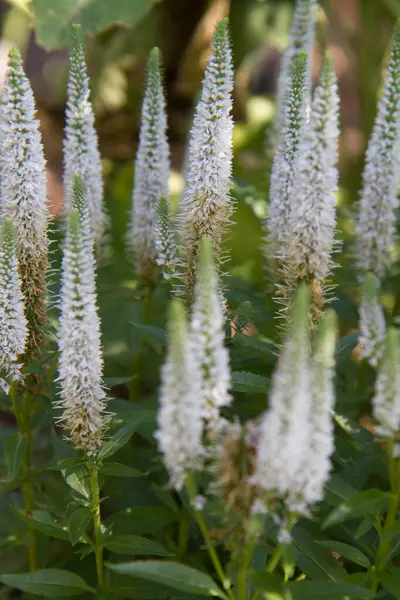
[134, 390]
[243, 569]
[206, 535]
[274, 560]
[94, 481]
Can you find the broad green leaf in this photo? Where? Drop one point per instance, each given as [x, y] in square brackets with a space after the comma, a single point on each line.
[15, 450]
[52, 583]
[337, 490]
[139, 520]
[361, 504]
[77, 523]
[119, 470]
[391, 581]
[134, 545]
[67, 464]
[268, 582]
[151, 333]
[345, 346]
[303, 590]
[43, 521]
[353, 554]
[242, 381]
[314, 561]
[175, 575]
[78, 481]
[119, 438]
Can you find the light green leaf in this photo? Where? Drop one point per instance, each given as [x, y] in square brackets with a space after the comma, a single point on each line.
[77, 523]
[119, 438]
[15, 450]
[119, 470]
[42, 521]
[303, 590]
[134, 545]
[362, 503]
[353, 554]
[52, 583]
[242, 381]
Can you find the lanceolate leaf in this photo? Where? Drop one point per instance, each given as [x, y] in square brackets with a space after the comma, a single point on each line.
[52, 583]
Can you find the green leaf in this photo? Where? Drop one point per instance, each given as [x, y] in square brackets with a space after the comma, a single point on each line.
[119, 438]
[140, 520]
[119, 470]
[67, 464]
[15, 450]
[303, 590]
[314, 561]
[268, 582]
[391, 581]
[242, 381]
[42, 521]
[135, 545]
[52, 583]
[151, 333]
[77, 523]
[78, 481]
[345, 346]
[353, 554]
[175, 575]
[362, 503]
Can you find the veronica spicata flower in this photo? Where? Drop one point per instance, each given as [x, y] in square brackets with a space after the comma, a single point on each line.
[381, 178]
[164, 239]
[372, 322]
[13, 324]
[151, 169]
[207, 340]
[207, 206]
[386, 401]
[81, 151]
[180, 414]
[83, 400]
[23, 192]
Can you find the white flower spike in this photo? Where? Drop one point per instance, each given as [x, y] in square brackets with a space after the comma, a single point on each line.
[207, 206]
[80, 145]
[151, 169]
[372, 322]
[83, 400]
[180, 414]
[13, 324]
[164, 239]
[23, 193]
[207, 341]
[381, 178]
[386, 401]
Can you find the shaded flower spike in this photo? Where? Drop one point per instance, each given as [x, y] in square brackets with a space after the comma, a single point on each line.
[381, 178]
[281, 195]
[372, 321]
[179, 417]
[301, 39]
[207, 340]
[312, 220]
[386, 401]
[83, 400]
[164, 239]
[285, 428]
[23, 193]
[80, 145]
[13, 324]
[207, 206]
[151, 169]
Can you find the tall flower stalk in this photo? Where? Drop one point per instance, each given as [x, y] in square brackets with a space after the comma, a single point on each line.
[151, 170]
[80, 145]
[372, 321]
[23, 194]
[164, 240]
[207, 206]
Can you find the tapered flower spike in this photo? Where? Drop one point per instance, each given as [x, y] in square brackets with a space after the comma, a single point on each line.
[372, 322]
[381, 178]
[301, 39]
[317, 462]
[80, 145]
[164, 239]
[207, 206]
[23, 193]
[207, 341]
[151, 169]
[83, 400]
[307, 252]
[386, 401]
[13, 324]
[180, 415]
[285, 428]
[282, 195]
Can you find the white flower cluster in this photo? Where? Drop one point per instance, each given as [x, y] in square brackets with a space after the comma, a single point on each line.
[83, 399]
[372, 322]
[207, 205]
[386, 401]
[381, 178]
[81, 151]
[151, 169]
[23, 191]
[164, 240]
[13, 324]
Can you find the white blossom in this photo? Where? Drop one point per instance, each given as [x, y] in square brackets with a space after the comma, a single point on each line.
[83, 400]
[13, 323]
[207, 341]
[180, 414]
[23, 192]
[80, 145]
[386, 400]
[381, 178]
[151, 168]
[372, 322]
[164, 240]
[206, 204]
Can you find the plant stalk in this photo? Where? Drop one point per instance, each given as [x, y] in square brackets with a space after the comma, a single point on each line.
[94, 481]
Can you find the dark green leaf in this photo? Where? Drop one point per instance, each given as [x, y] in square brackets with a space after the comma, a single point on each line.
[120, 438]
[134, 545]
[15, 450]
[78, 481]
[119, 470]
[362, 503]
[43, 521]
[140, 520]
[353, 554]
[52, 583]
[345, 346]
[77, 523]
[303, 590]
[314, 561]
[67, 464]
[242, 381]
[268, 582]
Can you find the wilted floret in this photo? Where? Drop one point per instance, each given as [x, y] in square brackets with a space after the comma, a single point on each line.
[372, 322]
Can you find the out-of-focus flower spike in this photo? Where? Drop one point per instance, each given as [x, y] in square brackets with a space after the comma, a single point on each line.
[23, 194]
[372, 321]
[164, 239]
[151, 170]
[386, 401]
[207, 206]
[381, 178]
